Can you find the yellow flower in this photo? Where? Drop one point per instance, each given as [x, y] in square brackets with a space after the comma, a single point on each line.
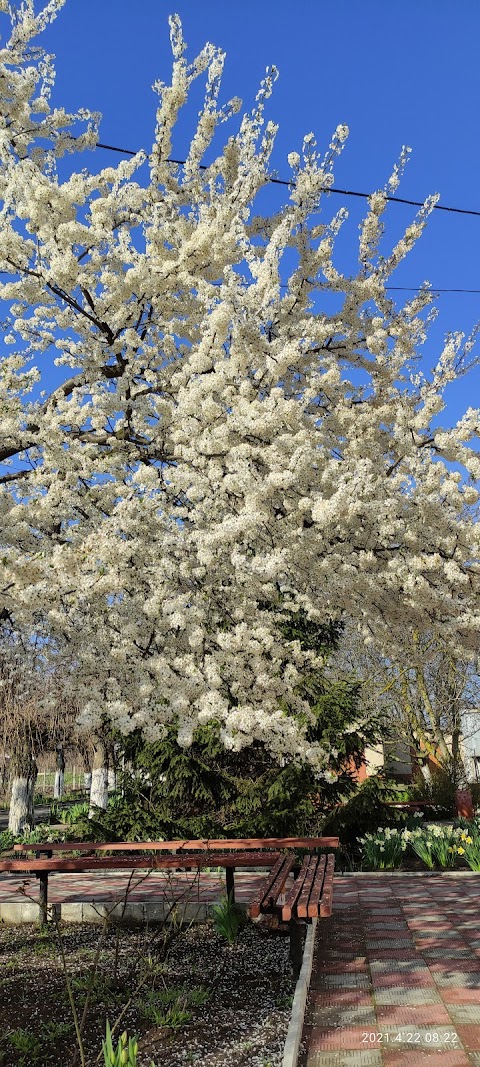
[469, 840]
[460, 851]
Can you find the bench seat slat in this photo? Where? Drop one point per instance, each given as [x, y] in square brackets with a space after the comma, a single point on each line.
[292, 896]
[313, 906]
[302, 903]
[279, 883]
[326, 903]
[258, 902]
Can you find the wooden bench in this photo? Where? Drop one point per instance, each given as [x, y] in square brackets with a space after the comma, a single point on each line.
[310, 896]
[181, 855]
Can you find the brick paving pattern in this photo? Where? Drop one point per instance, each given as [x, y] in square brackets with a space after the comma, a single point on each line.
[145, 886]
[396, 979]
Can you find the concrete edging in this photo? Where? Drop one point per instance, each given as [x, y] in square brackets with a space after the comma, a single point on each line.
[295, 1029]
[133, 913]
[408, 874]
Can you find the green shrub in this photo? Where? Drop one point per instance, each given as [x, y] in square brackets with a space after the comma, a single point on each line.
[474, 788]
[26, 1045]
[440, 790]
[7, 840]
[365, 812]
[74, 814]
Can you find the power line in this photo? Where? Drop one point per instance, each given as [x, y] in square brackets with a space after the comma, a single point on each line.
[343, 192]
[433, 290]
[329, 189]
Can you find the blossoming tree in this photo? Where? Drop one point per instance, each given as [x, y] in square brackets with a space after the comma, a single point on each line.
[223, 447]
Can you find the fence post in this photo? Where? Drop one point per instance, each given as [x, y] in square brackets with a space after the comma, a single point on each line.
[73, 779]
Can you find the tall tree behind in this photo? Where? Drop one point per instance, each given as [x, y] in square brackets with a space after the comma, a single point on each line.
[37, 714]
[428, 694]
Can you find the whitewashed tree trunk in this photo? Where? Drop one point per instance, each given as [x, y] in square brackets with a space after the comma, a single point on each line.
[426, 772]
[21, 814]
[99, 786]
[112, 780]
[59, 786]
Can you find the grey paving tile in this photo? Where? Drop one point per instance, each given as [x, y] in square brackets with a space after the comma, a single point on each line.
[407, 967]
[446, 953]
[360, 1058]
[456, 978]
[464, 1014]
[346, 981]
[335, 1015]
[399, 996]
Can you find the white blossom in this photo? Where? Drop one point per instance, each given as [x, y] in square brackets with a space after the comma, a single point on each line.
[221, 448]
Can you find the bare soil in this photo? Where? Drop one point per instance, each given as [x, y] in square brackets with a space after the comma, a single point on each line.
[186, 994]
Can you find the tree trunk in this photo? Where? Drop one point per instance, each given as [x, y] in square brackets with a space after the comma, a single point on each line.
[59, 787]
[425, 771]
[21, 814]
[99, 786]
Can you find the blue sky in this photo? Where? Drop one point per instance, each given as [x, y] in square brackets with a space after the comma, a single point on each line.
[395, 73]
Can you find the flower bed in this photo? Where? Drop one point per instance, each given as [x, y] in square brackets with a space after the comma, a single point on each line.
[195, 999]
[437, 847]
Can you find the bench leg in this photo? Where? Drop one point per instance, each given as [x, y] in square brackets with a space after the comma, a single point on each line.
[42, 897]
[296, 945]
[230, 880]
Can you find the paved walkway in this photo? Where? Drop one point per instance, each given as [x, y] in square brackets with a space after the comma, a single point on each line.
[397, 974]
[145, 886]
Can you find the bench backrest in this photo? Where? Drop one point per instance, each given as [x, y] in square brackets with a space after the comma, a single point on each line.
[244, 844]
[198, 860]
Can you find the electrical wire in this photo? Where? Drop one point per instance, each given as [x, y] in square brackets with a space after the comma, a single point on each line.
[342, 192]
[330, 189]
[433, 290]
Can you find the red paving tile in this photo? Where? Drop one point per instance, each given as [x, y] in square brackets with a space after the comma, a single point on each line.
[423, 1015]
[344, 998]
[459, 995]
[417, 1058]
[423, 943]
[469, 1036]
[344, 967]
[409, 981]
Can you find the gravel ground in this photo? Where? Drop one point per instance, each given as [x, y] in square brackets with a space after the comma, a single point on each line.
[194, 1000]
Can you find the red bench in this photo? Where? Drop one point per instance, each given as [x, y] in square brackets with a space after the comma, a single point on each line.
[181, 855]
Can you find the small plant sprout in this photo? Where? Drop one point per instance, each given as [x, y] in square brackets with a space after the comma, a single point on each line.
[124, 1055]
[227, 919]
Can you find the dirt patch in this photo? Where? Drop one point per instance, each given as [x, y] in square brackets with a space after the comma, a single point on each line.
[190, 998]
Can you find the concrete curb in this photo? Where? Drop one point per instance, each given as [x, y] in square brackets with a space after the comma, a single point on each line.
[407, 874]
[295, 1029]
[134, 913]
